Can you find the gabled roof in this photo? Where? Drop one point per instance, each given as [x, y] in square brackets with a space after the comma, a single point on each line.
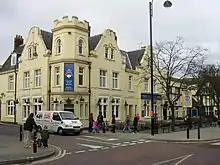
[135, 57]
[128, 62]
[7, 65]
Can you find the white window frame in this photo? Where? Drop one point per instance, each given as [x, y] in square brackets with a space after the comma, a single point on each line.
[36, 104]
[81, 74]
[26, 83]
[81, 110]
[11, 82]
[30, 53]
[57, 75]
[10, 109]
[115, 105]
[37, 78]
[35, 50]
[130, 78]
[102, 78]
[115, 80]
[58, 46]
[26, 107]
[80, 46]
[103, 106]
[106, 51]
[112, 53]
[146, 85]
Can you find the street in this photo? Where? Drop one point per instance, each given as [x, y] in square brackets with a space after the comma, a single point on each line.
[121, 149]
[98, 149]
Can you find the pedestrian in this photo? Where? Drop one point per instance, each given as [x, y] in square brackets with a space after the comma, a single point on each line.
[100, 120]
[39, 140]
[45, 136]
[127, 125]
[95, 126]
[135, 124]
[113, 124]
[28, 128]
[91, 122]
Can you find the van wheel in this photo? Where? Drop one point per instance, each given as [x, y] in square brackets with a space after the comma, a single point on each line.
[60, 131]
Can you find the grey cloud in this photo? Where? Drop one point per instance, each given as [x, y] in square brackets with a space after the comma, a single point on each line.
[196, 21]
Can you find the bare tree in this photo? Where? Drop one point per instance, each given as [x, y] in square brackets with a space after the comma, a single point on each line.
[173, 63]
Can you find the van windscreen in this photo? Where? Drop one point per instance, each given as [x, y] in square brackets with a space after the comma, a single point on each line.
[67, 116]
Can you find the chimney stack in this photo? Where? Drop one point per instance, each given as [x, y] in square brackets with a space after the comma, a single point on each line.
[18, 41]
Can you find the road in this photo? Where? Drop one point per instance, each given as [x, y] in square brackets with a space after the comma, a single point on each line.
[108, 149]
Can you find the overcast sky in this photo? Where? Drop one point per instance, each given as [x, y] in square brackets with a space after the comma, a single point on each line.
[198, 21]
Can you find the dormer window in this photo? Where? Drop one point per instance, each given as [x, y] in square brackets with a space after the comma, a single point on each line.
[35, 51]
[112, 53]
[106, 52]
[80, 44]
[29, 53]
[58, 46]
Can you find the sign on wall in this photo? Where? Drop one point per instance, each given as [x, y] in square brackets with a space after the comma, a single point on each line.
[187, 99]
[68, 77]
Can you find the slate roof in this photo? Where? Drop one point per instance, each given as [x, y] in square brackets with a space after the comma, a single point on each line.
[135, 57]
[7, 65]
[132, 57]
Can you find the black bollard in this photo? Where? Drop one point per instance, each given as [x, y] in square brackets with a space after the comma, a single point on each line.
[35, 142]
[21, 132]
[198, 132]
[187, 132]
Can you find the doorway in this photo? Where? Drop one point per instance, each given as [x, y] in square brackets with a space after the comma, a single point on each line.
[69, 107]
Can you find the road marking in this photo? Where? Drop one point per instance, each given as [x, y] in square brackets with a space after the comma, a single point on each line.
[92, 150]
[104, 148]
[181, 159]
[89, 140]
[95, 137]
[123, 145]
[134, 141]
[148, 141]
[90, 146]
[215, 144]
[140, 142]
[117, 144]
[114, 146]
[77, 152]
[126, 142]
[131, 144]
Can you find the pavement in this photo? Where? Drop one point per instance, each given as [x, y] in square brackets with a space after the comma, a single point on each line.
[12, 151]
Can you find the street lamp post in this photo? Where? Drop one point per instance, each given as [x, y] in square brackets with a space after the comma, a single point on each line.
[167, 4]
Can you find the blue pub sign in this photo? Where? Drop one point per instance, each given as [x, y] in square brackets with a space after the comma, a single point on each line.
[69, 77]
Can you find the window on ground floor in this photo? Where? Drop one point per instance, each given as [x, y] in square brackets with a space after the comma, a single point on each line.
[10, 108]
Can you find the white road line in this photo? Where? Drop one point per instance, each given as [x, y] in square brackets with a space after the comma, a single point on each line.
[140, 142]
[131, 144]
[215, 144]
[89, 140]
[90, 146]
[134, 141]
[100, 138]
[112, 139]
[123, 145]
[104, 148]
[117, 144]
[114, 146]
[93, 150]
[77, 152]
[147, 141]
[181, 158]
[126, 142]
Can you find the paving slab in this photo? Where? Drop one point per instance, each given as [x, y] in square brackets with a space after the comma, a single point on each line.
[13, 151]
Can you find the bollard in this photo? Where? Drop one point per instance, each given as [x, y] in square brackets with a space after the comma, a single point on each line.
[187, 132]
[21, 132]
[35, 142]
[198, 132]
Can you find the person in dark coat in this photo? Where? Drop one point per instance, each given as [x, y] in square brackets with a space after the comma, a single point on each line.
[90, 122]
[28, 128]
[135, 124]
[113, 124]
[100, 120]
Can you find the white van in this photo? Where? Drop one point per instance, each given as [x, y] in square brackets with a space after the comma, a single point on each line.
[61, 122]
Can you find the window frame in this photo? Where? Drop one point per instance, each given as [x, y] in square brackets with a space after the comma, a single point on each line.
[130, 83]
[10, 105]
[58, 46]
[36, 104]
[11, 82]
[115, 80]
[38, 77]
[103, 106]
[102, 78]
[106, 51]
[80, 46]
[57, 75]
[116, 107]
[112, 53]
[26, 83]
[26, 107]
[82, 75]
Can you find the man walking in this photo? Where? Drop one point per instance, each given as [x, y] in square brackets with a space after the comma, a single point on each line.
[28, 128]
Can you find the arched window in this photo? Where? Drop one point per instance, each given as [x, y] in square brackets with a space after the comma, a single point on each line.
[58, 46]
[80, 46]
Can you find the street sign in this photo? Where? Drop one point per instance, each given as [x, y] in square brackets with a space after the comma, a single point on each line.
[187, 99]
